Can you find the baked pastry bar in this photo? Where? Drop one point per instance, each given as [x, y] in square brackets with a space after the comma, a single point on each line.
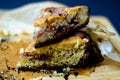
[76, 50]
[57, 22]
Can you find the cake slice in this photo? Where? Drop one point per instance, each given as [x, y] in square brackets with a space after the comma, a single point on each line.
[77, 50]
[57, 22]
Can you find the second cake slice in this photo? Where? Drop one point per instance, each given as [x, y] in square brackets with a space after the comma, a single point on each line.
[76, 50]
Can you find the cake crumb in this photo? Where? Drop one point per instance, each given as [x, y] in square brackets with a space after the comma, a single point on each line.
[21, 51]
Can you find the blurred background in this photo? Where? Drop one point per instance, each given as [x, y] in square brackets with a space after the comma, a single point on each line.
[108, 8]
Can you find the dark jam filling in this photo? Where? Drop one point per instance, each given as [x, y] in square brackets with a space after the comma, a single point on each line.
[58, 11]
[58, 33]
[36, 56]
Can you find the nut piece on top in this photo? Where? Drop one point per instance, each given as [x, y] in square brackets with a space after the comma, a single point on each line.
[57, 22]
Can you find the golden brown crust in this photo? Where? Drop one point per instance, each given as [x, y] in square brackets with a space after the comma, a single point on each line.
[53, 16]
